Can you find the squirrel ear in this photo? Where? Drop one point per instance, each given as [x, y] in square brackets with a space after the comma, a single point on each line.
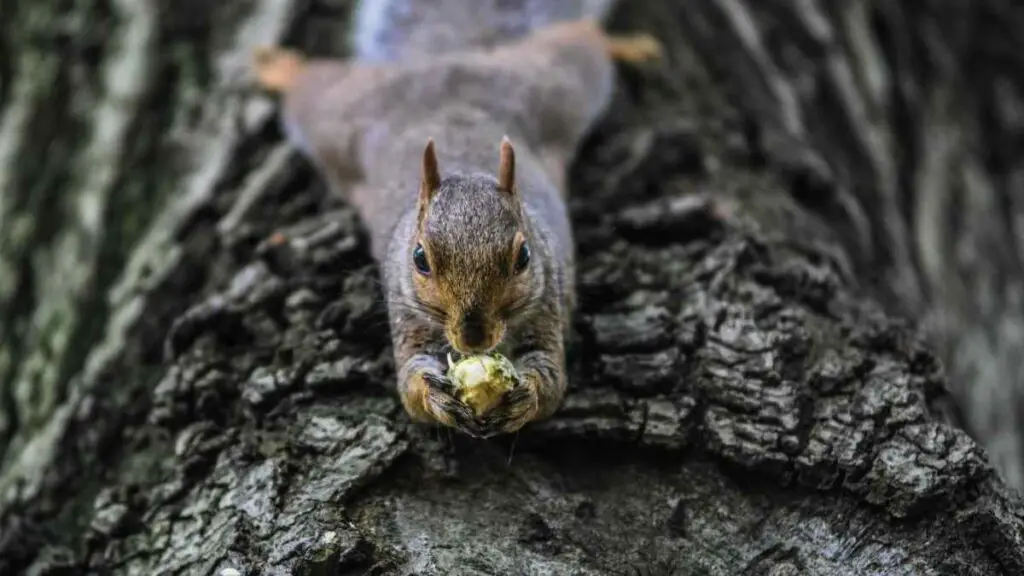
[430, 177]
[507, 166]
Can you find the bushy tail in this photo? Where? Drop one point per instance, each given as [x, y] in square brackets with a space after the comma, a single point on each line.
[403, 29]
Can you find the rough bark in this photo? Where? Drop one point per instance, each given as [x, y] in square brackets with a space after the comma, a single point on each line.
[902, 123]
[182, 395]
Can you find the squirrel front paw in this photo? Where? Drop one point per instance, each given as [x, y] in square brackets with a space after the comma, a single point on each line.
[518, 407]
[430, 396]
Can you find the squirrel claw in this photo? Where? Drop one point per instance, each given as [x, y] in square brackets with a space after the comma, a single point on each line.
[517, 408]
[439, 383]
[441, 403]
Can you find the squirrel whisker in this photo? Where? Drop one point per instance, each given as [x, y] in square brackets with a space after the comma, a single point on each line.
[428, 312]
[518, 309]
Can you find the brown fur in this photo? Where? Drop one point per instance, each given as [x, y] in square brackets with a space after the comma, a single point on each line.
[481, 195]
[472, 234]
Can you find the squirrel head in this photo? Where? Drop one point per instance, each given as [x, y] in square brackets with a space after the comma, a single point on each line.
[471, 257]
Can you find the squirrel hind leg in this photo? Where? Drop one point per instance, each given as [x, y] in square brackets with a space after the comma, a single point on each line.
[634, 48]
[276, 68]
[631, 48]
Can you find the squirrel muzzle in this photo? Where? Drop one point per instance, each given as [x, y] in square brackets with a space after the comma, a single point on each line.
[474, 332]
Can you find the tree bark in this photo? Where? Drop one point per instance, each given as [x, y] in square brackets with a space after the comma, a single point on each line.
[902, 124]
[193, 344]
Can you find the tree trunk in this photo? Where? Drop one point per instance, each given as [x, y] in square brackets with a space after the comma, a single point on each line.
[184, 392]
[902, 124]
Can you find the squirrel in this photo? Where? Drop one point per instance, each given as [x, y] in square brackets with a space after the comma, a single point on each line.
[450, 130]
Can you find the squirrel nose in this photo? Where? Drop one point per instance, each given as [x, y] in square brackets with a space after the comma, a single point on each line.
[473, 332]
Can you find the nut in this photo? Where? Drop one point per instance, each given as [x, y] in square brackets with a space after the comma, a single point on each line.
[481, 381]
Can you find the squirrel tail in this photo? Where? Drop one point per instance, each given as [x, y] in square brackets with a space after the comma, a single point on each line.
[402, 29]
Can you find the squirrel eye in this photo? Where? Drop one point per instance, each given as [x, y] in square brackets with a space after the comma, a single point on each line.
[419, 259]
[523, 258]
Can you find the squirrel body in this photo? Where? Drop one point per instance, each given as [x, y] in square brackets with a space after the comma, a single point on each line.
[471, 231]
[391, 30]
